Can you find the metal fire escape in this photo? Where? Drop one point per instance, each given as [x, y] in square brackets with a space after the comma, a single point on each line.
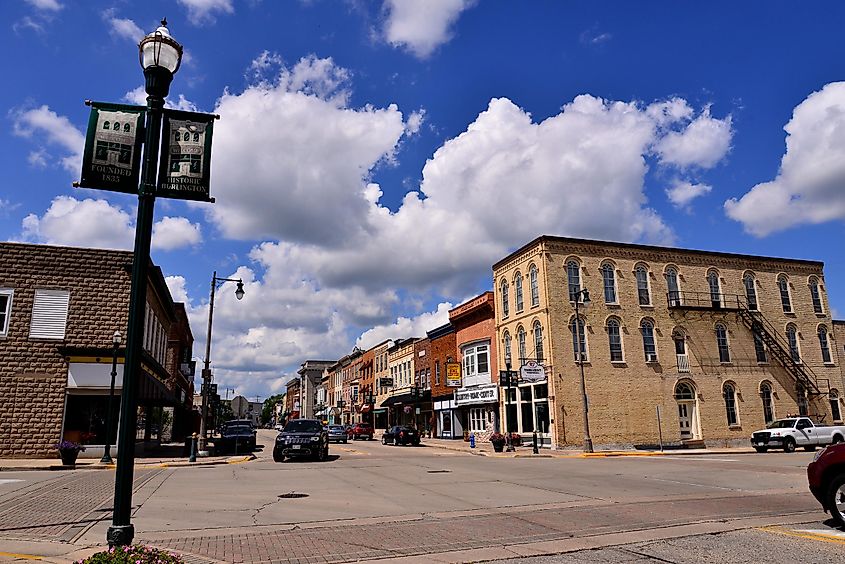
[756, 322]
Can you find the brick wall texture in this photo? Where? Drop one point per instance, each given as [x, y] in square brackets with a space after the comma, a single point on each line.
[624, 396]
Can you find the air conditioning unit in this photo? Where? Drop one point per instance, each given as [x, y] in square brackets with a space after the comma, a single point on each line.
[580, 357]
[651, 358]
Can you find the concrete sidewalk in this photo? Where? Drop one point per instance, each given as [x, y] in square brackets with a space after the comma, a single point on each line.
[525, 451]
[21, 464]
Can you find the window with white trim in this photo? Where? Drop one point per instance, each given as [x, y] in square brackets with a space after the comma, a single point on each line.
[722, 343]
[768, 404]
[643, 294]
[476, 360]
[614, 337]
[672, 287]
[535, 286]
[49, 314]
[750, 291]
[505, 303]
[649, 347]
[823, 344]
[573, 275]
[538, 342]
[715, 288]
[783, 288]
[6, 295]
[792, 339]
[477, 420]
[579, 339]
[517, 289]
[507, 340]
[608, 276]
[729, 393]
[835, 412]
[528, 408]
[816, 295]
[520, 338]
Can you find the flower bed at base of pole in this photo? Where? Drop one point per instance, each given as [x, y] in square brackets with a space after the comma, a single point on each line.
[135, 554]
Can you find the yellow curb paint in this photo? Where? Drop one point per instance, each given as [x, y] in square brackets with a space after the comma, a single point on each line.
[22, 556]
[808, 536]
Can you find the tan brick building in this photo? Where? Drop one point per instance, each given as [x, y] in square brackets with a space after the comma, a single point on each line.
[59, 308]
[719, 342]
[381, 370]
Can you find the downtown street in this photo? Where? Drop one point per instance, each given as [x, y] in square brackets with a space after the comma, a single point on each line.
[436, 504]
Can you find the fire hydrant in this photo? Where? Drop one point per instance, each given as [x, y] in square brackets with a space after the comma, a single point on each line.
[193, 456]
[472, 440]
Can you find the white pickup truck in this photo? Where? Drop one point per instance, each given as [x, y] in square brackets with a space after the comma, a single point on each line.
[796, 431]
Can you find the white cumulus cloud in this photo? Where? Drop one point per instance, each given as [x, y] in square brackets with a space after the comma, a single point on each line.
[46, 5]
[702, 143]
[808, 188]
[204, 11]
[406, 327]
[123, 28]
[174, 233]
[41, 125]
[682, 193]
[138, 96]
[421, 27]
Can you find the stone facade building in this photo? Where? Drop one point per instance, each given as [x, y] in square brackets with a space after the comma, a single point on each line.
[310, 377]
[59, 309]
[720, 343]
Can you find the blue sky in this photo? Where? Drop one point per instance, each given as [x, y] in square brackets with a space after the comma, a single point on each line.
[375, 158]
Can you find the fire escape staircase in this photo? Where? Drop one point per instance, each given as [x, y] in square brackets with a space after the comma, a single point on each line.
[756, 322]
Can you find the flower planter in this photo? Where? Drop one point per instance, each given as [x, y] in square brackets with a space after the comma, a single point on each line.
[69, 456]
[498, 446]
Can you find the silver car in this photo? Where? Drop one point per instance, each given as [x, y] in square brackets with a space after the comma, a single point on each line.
[337, 433]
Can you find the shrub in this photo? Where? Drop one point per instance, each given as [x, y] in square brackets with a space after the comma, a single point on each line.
[136, 554]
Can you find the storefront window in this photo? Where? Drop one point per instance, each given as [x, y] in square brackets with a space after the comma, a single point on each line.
[85, 419]
[529, 409]
[477, 419]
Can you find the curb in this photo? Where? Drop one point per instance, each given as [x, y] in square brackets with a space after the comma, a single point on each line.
[172, 464]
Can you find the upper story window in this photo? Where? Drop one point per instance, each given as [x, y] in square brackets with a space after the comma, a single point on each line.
[792, 339]
[507, 339]
[750, 291]
[49, 314]
[538, 341]
[517, 288]
[722, 343]
[823, 344]
[672, 286]
[783, 287]
[5, 310]
[759, 345]
[715, 288]
[520, 339]
[573, 276]
[768, 404]
[535, 286]
[614, 337]
[643, 293]
[505, 300]
[608, 276]
[476, 364]
[649, 346]
[729, 393]
[436, 372]
[816, 295]
[835, 412]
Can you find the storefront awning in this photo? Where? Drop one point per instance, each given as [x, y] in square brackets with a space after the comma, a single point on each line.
[407, 399]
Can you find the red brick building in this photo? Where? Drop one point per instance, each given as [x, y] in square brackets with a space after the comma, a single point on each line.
[442, 350]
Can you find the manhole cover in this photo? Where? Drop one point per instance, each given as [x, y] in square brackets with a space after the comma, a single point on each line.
[292, 495]
[439, 471]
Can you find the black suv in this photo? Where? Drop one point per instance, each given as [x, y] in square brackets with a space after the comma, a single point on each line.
[302, 437]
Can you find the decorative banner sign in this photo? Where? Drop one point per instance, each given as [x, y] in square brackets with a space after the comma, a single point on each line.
[487, 394]
[185, 169]
[453, 374]
[532, 372]
[112, 157]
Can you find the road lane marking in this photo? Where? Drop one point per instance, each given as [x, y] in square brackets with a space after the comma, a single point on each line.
[824, 536]
[9, 481]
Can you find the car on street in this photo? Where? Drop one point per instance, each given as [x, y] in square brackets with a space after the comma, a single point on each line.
[401, 435]
[235, 438]
[792, 432]
[302, 438]
[826, 477]
[362, 431]
[337, 433]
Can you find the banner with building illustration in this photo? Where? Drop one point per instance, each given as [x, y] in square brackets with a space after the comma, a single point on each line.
[185, 169]
[112, 157]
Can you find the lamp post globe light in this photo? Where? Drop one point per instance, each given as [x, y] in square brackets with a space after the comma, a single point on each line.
[160, 56]
[583, 296]
[106, 459]
[206, 372]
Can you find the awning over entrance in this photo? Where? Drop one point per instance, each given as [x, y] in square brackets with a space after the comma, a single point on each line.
[404, 399]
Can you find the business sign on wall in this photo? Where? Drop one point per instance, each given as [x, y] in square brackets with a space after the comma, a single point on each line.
[486, 394]
[453, 374]
[532, 372]
[385, 382]
[112, 156]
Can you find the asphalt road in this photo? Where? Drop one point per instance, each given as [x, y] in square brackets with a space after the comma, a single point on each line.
[371, 501]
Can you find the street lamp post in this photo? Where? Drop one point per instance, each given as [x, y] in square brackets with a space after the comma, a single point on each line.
[206, 372]
[106, 459]
[509, 447]
[160, 56]
[583, 296]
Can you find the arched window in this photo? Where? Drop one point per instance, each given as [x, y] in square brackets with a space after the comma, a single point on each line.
[823, 344]
[520, 337]
[538, 341]
[684, 391]
[759, 345]
[186, 137]
[792, 339]
[106, 124]
[672, 287]
[729, 393]
[750, 291]
[614, 338]
[801, 399]
[177, 137]
[835, 412]
[573, 275]
[783, 287]
[768, 404]
[116, 126]
[579, 339]
[196, 137]
[535, 286]
[643, 294]
[715, 289]
[126, 127]
[608, 276]
[517, 288]
[647, 329]
[507, 339]
[505, 299]
[815, 295]
[722, 343]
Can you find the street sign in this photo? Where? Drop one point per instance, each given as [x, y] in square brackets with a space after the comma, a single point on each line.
[507, 378]
[532, 372]
[213, 389]
[111, 159]
[185, 169]
[453, 374]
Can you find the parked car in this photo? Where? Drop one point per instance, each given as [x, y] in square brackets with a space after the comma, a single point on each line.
[302, 438]
[363, 431]
[337, 433]
[401, 435]
[826, 477]
[348, 429]
[235, 438]
[796, 431]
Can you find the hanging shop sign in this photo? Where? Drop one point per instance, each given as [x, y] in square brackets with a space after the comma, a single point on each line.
[112, 156]
[385, 382]
[453, 374]
[184, 172]
[485, 394]
[532, 372]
